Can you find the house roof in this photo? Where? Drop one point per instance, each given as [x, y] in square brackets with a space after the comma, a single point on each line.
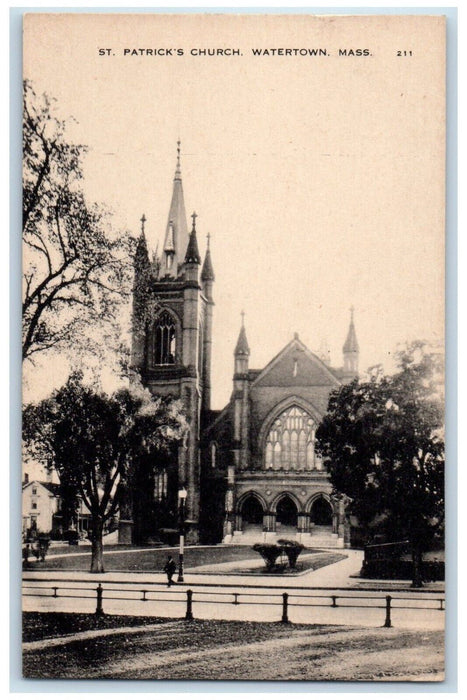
[49, 485]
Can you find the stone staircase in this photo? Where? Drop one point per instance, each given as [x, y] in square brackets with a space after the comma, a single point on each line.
[320, 537]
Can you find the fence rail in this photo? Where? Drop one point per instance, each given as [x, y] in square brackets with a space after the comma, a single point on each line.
[285, 600]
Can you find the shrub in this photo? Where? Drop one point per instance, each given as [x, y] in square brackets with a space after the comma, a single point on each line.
[292, 550]
[269, 552]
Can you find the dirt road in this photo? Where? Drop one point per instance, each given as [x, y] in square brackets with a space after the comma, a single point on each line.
[220, 650]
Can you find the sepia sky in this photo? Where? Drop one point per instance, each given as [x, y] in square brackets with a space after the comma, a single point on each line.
[320, 178]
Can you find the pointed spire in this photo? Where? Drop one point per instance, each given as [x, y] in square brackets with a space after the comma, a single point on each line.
[242, 347]
[207, 273]
[351, 343]
[176, 233]
[169, 246]
[178, 172]
[192, 252]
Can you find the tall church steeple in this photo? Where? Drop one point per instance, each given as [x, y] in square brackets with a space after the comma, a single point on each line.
[172, 348]
[176, 233]
[351, 349]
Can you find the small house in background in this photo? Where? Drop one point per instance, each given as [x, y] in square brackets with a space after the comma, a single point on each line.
[42, 509]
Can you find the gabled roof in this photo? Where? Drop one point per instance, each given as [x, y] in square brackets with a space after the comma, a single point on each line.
[296, 365]
[49, 485]
[215, 420]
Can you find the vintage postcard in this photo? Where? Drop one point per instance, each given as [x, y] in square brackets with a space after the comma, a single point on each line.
[233, 346]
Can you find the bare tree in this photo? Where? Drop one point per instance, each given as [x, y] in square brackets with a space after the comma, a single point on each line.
[76, 271]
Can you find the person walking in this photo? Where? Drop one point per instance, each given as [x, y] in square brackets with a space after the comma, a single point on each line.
[170, 568]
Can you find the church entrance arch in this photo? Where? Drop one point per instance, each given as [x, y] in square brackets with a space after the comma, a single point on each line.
[321, 512]
[286, 516]
[252, 513]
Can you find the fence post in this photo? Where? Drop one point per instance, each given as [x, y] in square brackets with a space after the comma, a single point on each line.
[285, 600]
[99, 608]
[387, 622]
[189, 608]
[334, 604]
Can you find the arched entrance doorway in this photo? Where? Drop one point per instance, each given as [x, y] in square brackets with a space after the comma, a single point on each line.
[321, 513]
[286, 517]
[252, 514]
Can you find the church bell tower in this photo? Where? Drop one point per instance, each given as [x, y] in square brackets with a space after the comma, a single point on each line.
[172, 334]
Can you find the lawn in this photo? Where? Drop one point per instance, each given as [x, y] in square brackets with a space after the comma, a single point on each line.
[221, 650]
[153, 560]
[43, 625]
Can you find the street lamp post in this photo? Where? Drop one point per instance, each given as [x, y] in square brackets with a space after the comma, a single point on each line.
[182, 494]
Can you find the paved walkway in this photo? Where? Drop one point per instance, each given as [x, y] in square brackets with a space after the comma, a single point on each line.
[342, 574]
[251, 597]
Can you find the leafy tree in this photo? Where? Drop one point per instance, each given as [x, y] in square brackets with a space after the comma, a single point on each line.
[145, 304]
[382, 443]
[94, 441]
[75, 270]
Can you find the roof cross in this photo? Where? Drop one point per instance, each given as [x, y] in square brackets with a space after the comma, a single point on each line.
[194, 216]
[143, 221]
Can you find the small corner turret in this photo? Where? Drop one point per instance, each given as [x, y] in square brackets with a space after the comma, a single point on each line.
[207, 272]
[143, 275]
[192, 258]
[242, 350]
[351, 350]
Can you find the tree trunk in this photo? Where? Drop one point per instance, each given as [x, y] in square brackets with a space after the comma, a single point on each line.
[417, 581]
[97, 549]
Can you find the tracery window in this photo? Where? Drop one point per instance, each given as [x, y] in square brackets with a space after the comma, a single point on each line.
[164, 340]
[290, 441]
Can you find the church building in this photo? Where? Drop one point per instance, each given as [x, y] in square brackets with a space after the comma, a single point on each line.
[250, 471]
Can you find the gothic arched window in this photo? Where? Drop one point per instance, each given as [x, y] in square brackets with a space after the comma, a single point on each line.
[290, 441]
[160, 486]
[164, 340]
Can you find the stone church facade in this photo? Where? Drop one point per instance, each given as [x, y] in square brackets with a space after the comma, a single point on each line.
[250, 470]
